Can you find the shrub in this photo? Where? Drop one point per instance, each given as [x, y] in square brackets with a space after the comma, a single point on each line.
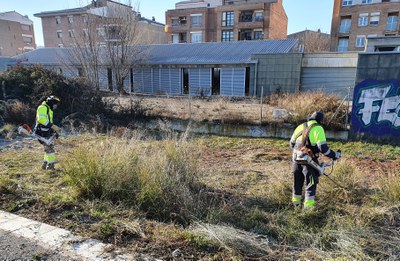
[32, 84]
[17, 112]
[301, 105]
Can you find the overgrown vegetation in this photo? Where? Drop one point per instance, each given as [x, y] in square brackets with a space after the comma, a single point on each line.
[211, 197]
[302, 104]
[25, 87]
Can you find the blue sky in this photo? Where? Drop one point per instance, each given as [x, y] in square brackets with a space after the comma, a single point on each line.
[302, 14]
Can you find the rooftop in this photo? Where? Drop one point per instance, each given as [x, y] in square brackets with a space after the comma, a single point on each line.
[179, 54]
[15, 17]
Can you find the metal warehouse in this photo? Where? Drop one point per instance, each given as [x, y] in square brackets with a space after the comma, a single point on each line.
[202, 69]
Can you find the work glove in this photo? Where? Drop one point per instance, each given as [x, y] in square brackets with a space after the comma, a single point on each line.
[55, 128]
[338, 154]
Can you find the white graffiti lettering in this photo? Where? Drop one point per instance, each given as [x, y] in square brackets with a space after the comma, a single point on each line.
[389, 108]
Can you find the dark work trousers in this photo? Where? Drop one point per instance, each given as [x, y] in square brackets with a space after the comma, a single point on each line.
[308, 174]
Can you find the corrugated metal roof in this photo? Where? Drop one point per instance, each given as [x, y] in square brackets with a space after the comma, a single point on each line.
[217, 53]
[179, 54]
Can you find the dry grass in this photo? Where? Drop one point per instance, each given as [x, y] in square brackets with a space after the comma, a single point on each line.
[244, 110]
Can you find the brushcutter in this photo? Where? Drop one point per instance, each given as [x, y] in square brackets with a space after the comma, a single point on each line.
[25, 130]
[305, 159]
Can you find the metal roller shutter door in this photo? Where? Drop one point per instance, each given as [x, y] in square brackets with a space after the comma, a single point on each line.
[156, 83]
[171, 81]
[142, 80]
[138, 85]
[103, 79]
[233, 81]
[200, 81]
[329, 80]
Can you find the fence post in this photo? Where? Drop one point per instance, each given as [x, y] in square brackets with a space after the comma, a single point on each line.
[261, 104]
[190, 106]
[347, 109]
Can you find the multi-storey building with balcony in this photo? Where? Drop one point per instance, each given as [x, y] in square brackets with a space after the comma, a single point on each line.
[17, 34]
[196, 21]
[353, 21]
[62, 28]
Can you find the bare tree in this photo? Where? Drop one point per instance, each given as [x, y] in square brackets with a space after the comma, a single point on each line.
[108, 36]
[123, 37]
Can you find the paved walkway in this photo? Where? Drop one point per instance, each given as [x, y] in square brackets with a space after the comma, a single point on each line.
[25, 239]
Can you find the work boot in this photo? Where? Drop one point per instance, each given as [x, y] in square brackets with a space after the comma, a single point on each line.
[44, 165]
[50, 166]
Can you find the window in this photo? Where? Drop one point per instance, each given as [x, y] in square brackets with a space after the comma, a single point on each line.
[227, 19]
[258, 16]
[374, 21]
[101, 32]
[196, 19]
[58, 20]
[27, 40]
[258, 35]
[174, 21]
[360, 41]
[71, 33]
[363, 20]
[60, 45]
[182, 20]
[345, 24]
[366, 1]
[196, 37]
[227, 35]
[85, 19]
[347, 2]
[85, 32]
[174, 38]
[343, 45]
[70, 19]
[59, 34]
[112, 31]
[25, 27]
[392, 21]
[246, 16]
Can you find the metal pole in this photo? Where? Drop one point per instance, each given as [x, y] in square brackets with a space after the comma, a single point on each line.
[261, 104]
[190, 105]
[347, 109]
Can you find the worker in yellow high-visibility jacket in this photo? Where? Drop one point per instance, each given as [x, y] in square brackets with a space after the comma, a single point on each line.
[46, 128]
[315, 143]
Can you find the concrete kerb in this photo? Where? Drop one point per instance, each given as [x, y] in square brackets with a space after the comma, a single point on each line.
[53, 238]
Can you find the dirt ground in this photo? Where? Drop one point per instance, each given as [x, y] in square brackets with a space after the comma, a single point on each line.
[221, 110]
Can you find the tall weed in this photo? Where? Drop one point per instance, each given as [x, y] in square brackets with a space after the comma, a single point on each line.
[159, 178]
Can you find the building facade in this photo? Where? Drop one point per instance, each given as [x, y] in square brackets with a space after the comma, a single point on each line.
[353, 21]
[312, 41]
[17, 34]
[63, 28]
[197, 21]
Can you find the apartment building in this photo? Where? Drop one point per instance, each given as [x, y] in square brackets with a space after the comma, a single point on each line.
[17, 34]
[64, 28]
[354, 21]
[197, 21]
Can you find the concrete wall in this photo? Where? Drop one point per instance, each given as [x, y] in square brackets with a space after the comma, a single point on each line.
[332, 73]
[277, 73]
[376, 104]
[378, 66]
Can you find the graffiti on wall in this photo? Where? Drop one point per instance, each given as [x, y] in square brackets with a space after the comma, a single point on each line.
[376, 108]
